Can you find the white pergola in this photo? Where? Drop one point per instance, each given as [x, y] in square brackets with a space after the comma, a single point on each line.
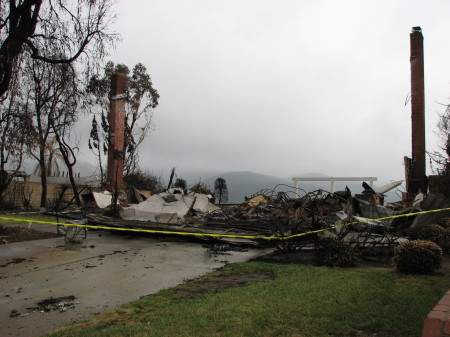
[332, 180]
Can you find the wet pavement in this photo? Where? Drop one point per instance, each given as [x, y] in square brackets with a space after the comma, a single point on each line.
[102, 272]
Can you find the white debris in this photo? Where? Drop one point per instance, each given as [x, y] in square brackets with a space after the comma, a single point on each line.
[386, 188]
[418, 199]
[102, 199]
[168, 207]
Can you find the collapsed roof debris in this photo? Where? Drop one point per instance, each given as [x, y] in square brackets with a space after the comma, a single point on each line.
[432, 201]
[97, 199]
[169, 207]
[386, 188]
[266, 213]
[272, 214]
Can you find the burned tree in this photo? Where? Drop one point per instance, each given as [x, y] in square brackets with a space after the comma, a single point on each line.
[441, 157]
[14, 135]
[98, 142]
[62, 130]
[220, 190]
[77, 30]
[141, 99]
[51, 99]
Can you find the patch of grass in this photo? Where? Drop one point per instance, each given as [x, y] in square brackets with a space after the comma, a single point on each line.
[296, 300]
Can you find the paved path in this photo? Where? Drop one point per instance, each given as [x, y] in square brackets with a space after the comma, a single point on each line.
[105, 271]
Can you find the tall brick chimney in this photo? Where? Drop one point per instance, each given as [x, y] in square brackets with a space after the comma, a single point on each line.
[116, 120]
[417, 178]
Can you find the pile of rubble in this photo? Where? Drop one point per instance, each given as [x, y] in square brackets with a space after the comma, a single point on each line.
[323, 213]
[169, 207]
[356, 218]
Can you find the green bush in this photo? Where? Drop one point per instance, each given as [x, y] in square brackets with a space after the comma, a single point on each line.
[336, 253]
[433, 233]
[417, 257]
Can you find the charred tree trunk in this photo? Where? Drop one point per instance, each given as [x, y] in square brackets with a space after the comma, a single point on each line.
[43, 179]
[70, 160]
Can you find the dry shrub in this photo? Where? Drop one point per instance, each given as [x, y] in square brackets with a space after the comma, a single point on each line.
[433, 233]
[444, 222]
[417, 257]
[336, 253]
[447, 247]
[201, 188]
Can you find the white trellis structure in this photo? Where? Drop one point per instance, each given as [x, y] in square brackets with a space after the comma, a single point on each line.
[332, 180]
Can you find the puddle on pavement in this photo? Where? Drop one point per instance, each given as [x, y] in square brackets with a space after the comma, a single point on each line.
[15, 260]
[55, 303]
[216, 249]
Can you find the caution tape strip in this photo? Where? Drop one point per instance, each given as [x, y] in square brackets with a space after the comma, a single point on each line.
[252, 237]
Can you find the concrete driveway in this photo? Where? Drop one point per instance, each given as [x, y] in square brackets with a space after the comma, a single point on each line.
[103, 272]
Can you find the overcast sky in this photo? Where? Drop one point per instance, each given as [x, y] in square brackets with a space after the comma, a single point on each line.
[284, 87]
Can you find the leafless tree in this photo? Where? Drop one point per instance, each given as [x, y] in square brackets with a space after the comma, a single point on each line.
[67, 147]
[53, 31]
[98, 142]
[14, 134]
[441, 157]
[12, 144]
[52, 100]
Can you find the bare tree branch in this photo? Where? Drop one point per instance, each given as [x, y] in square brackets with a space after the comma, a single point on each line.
[79, 30]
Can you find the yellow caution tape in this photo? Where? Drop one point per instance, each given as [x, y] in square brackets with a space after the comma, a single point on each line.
[253, 237]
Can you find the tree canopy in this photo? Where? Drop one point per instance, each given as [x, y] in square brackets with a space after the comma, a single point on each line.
[53, 31]
[51, 99]
[221, 190]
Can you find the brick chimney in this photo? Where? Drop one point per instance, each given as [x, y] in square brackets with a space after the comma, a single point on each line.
[116, 120]
[417, 178]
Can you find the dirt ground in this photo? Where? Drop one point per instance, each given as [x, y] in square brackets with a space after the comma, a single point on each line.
[223, 282]
[9, 234]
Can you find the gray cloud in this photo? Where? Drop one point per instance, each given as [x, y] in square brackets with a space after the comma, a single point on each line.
[284, 87]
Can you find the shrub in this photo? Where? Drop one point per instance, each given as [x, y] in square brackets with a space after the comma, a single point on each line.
[145, 181]
[181, 183]
[447, 247]
[444, 222]
[418, 257]
[336, 253]
[201, 188]
[433, 233]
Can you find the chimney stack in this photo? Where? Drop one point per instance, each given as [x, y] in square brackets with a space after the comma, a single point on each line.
[416, 169]
[116, 120]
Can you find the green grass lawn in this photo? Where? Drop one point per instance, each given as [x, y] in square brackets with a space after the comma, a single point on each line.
[295, 300]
